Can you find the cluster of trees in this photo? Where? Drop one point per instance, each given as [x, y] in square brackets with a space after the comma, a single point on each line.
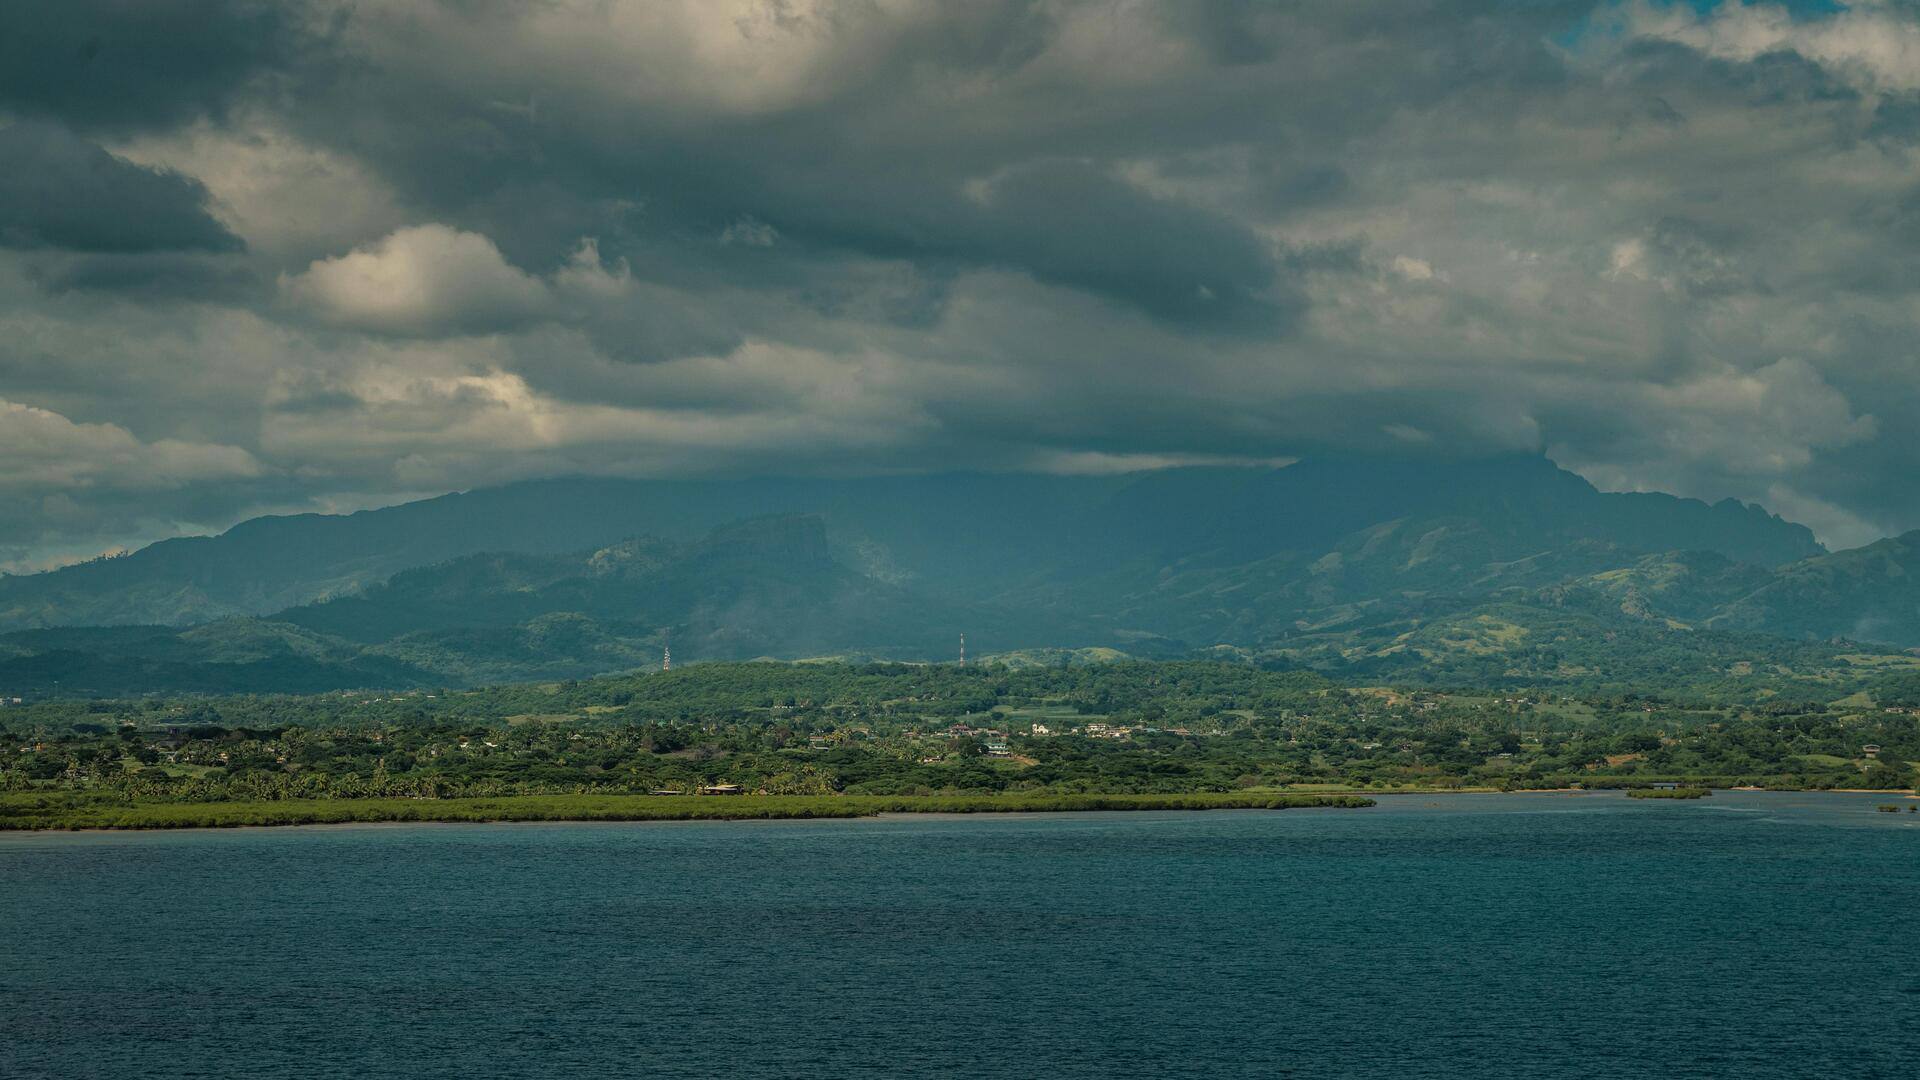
[891, 729]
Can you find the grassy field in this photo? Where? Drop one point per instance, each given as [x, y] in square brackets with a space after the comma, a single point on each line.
[80, 811]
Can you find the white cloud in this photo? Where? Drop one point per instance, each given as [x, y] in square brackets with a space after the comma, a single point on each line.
[1836, 526]
[1097, 463]
[1627, 259]
[1767, 420]
[46, 452]
[434, 281]
[1876, 47]
[737, 57]
[453, 414]
[282, 195]
[749, 232]
[1411, 268]
[419, 280]
[586, 276]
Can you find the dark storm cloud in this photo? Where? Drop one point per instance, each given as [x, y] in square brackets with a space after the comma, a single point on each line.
[155, 277]
[330, 251]
[121, 64]
[876, 156]
[1072, 223]
[61, 191]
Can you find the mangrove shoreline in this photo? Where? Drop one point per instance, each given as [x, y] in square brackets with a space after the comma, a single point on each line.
[73, 811]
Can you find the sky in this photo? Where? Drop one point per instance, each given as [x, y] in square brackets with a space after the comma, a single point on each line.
[328, 255]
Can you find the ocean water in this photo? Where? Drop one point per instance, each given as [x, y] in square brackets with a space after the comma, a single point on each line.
[1747, 935]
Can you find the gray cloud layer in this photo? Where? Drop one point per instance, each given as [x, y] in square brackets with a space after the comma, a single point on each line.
[327, 254]
[61, 191]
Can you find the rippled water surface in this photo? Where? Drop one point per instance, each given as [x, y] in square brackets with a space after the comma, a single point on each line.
[1747, 935]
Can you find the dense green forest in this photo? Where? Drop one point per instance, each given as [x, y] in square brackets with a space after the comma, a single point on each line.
[896, 730]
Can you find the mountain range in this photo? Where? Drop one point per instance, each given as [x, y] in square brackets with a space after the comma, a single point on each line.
[1328, 563]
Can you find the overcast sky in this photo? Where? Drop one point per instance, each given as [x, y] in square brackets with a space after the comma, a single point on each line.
[338, 254]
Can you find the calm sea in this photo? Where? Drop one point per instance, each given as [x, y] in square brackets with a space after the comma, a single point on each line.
[1748, 935]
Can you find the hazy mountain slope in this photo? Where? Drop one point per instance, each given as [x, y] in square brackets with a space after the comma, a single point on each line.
[767, 586]
[1335, 562]
[1689, 588]
[964, 537]
[1866, 594]
[1432, 601]
[773, 586]
[270, 563]
[1524, 500]
[1870, 593]
[946, 527]
[1361, 576]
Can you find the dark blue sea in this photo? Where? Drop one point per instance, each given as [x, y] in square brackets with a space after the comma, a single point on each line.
[1747, 935]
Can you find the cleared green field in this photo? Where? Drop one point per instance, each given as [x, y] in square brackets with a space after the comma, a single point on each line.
[79, 811]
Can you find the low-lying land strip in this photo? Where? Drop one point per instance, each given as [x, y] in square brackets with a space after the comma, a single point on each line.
[81, 811]
[1171, 728]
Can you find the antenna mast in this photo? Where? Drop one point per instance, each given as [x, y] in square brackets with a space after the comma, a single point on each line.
[666, 650]
[963, 650]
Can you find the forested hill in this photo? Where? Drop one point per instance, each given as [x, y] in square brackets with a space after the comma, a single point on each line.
[966, 537]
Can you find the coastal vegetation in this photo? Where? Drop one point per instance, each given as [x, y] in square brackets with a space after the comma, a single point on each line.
[1669, 793]
[1037, 730]
[69, 810]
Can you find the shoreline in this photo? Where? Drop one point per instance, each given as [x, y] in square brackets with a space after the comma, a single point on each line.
[1905, 793]
[71, 812]
[79, 814]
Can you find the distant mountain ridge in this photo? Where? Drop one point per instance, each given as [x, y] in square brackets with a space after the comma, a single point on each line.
[1326, 563]
[761, 587]
[957, 534]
